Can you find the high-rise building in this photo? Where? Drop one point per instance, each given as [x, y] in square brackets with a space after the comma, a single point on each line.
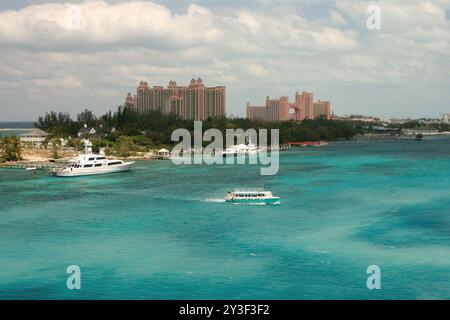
[274, 110]
[192, 102]
[278, 109]
[322, 108]
[303, 106]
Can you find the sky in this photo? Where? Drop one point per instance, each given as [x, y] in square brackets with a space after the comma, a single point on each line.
[89, 54]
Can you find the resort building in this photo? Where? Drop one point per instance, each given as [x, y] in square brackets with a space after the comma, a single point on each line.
[322, 108]
[35, 137]
[274, 110]
[192, 102]
[303, 107]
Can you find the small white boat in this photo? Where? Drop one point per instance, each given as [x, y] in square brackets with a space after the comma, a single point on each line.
[91, 164]
[241, 149]
[252, 196]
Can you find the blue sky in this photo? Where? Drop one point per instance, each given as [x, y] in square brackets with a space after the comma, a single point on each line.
[256, 48]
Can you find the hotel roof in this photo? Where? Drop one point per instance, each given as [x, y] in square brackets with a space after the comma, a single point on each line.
[35, 133]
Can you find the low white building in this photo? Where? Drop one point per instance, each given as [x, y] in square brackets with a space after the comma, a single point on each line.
[163, 154]
[35, 137]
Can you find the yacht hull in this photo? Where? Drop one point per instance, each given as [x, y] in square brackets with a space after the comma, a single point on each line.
[93, 171]
[254, 201]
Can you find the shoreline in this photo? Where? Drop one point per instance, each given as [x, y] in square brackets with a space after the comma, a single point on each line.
[16, 129]
[42, 156]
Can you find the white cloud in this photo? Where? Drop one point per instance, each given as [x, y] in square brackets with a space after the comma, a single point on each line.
[273, 50]
[257, 70]
[135, 23]
[249, 21]
[337, 18]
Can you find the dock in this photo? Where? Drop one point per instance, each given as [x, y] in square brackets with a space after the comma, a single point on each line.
[37, 165]
[308, 143]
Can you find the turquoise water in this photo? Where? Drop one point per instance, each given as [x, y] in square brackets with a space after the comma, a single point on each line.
[162, 232]
[23, 126]
[17, 133]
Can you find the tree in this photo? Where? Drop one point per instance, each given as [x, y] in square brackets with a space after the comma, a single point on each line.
[87, 118]
[10, 149]
[124, 146]
[57, 124]
[158, 127]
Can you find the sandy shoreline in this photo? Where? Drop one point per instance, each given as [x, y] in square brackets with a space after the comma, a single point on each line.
[31, 155]
[16, 129]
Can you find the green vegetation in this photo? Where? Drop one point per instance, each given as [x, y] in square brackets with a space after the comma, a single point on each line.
[126, 132]
[416, 124]
[10, 149]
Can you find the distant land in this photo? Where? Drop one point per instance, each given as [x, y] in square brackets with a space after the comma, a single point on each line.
[16, 125]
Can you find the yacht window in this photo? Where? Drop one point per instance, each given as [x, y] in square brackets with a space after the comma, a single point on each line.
[114, 163]
[88, 166]
[98, 164]
[101, 158]
[91, 159]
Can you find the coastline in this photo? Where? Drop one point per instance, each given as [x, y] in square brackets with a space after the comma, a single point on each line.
[44, 156]
[16, 129]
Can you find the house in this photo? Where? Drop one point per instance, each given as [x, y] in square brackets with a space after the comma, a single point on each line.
[34, 137]
[87, 131]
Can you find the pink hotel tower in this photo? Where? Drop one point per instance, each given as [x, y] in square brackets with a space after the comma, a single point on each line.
[192, 102]
[278, 109]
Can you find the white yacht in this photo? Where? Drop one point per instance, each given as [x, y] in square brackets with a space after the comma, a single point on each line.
[91, 164]
[241, 149]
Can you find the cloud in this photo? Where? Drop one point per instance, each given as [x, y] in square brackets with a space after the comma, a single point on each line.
[98, 23]
[90, 54]
[257, 70]
[337, 18]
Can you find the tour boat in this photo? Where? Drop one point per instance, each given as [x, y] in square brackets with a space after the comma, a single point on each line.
[252, 196]
[91, 164]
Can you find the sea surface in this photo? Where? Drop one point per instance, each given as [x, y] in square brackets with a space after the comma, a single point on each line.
[163, 231]
[14, 128]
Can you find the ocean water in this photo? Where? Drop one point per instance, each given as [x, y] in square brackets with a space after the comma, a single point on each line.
[163, 232]
[9, 133]
[18, 128]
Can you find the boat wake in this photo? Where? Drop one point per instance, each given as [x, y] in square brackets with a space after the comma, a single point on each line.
[217, 200]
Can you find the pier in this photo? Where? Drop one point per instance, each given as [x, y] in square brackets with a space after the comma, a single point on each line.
[308, 143]
[37, 165]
